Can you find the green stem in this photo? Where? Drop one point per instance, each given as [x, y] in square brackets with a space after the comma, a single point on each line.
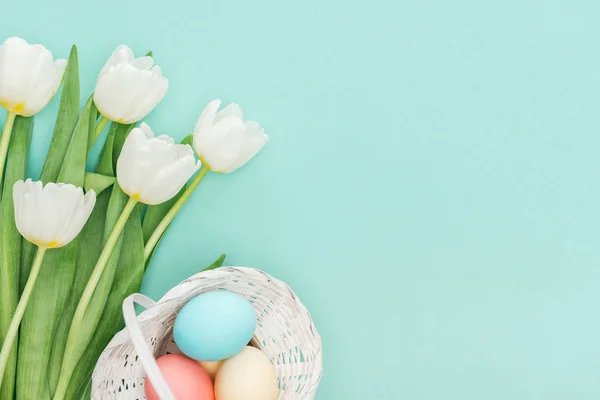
[16, 319]
[68, 362]
[100, 127]
[170, 216]
[5, 140]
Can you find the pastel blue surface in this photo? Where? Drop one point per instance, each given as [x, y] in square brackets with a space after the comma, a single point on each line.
[214, 326]
[431, 189]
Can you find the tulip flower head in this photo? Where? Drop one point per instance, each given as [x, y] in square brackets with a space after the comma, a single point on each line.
[223, 141]
[51, 216]
[29, 76]
[152, 169]
[128, 88]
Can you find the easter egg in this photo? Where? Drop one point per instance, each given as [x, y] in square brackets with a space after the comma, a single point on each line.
[211, 367]
[214, 326]
[185, 377]
[248, 375]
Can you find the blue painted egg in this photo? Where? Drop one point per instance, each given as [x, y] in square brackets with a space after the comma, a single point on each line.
[214, 326]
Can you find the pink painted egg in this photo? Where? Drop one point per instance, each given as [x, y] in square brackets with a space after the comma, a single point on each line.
[185, 377]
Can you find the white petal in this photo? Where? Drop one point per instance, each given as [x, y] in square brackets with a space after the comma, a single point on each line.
[166, 139]
[29, 211]
[51, 209]
[80, 216]
[232, 110]
[16, 41]
[20, 191]
[49, 81]
[14, 69]
[68, 198]
[26, 217]
[169, 180]
[60, 65]
[147, 130]
[157, 71]
[160, 153]
[143, 63]
[155, 90]
[205, 122]
[121, 55]
[224, 145]
[129, 174]
[254, 140]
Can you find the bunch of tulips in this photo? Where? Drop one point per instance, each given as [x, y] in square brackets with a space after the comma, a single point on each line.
[75, 243]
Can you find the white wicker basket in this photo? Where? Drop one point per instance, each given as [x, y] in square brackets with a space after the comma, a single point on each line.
[285, 332]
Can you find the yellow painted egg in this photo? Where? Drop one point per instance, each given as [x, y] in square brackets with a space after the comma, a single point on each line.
[211, 367]
[247, 376]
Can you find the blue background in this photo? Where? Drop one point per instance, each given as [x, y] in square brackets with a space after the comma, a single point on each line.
[430, 189]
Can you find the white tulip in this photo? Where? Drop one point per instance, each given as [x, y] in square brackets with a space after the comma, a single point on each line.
[223, 141]
[128, 88]
[154, 169]
[29, 76]
[51, 216]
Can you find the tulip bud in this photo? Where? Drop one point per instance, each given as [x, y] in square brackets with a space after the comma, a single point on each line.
[152, 169]
[29, 76]
[129, 88]
[223, 141]
[53, 215]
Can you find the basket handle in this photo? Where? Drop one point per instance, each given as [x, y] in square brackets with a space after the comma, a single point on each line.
[145, 356]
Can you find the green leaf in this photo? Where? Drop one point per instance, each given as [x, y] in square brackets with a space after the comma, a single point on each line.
[91, 243]
[85, 392]
[189, 139]
[10, 242]
[53, 286]
[105, 165]
[218, 263]
[73, 168]
[122, 133]
[116, 204]
[98, 182]
[66, 119]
